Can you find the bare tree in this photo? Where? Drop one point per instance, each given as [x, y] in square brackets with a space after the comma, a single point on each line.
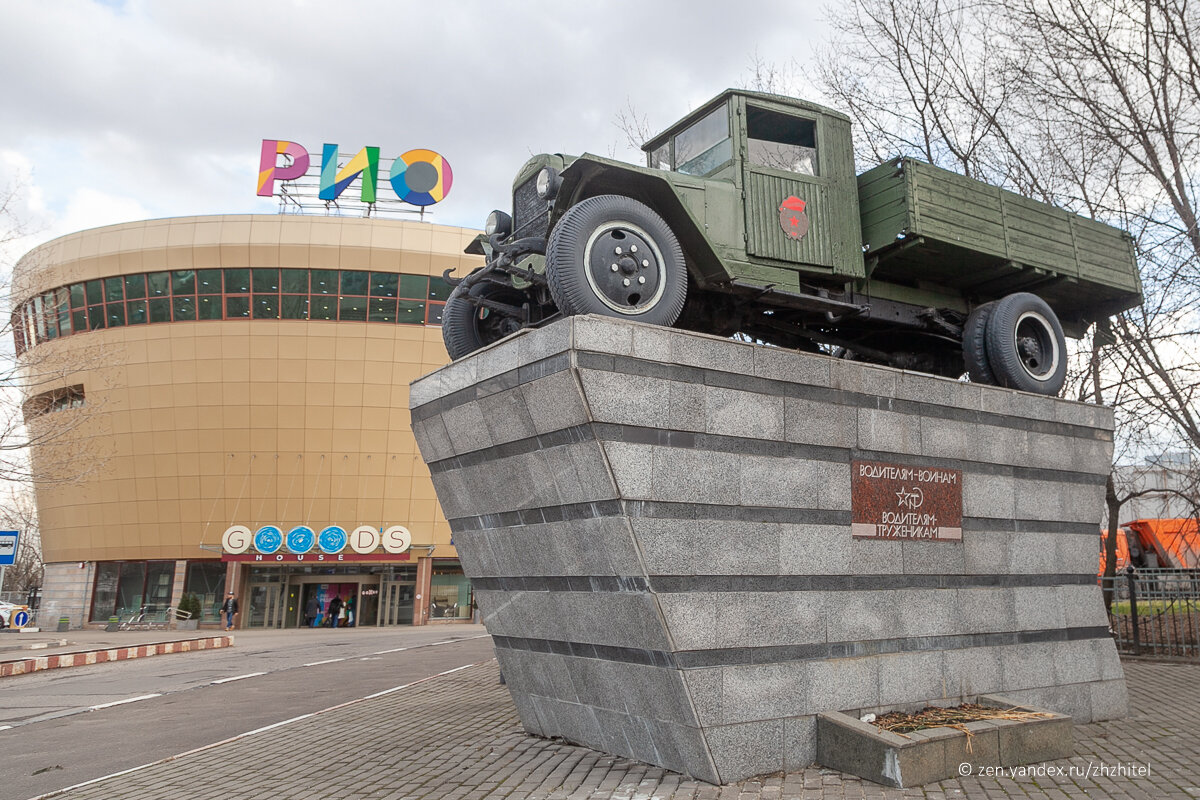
[18, 512]
[1092, 105]
[45, 437]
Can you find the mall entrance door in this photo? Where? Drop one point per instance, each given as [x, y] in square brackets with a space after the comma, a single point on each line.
[359, 595]
[266, 606]
[395, 600]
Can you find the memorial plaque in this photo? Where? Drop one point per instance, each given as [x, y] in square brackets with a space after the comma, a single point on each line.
[897, 501]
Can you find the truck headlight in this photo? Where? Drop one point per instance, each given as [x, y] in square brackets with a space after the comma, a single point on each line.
[548, 182]
[498, 222]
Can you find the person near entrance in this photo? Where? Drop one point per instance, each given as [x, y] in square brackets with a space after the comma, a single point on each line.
[350, 611]
[230, 609]
[312, 610]
[333, 610]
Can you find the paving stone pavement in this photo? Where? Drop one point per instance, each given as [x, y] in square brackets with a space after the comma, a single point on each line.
[456, 737]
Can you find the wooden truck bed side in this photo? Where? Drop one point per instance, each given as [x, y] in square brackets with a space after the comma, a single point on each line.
[923, 224]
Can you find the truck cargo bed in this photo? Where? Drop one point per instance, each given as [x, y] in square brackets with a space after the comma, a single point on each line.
[924, 225]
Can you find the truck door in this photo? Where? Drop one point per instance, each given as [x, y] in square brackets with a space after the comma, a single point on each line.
[797, 209]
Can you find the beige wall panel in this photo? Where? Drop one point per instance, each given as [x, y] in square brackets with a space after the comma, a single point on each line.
[207, 423]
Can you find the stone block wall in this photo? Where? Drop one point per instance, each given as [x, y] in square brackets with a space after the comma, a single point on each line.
[657, 525]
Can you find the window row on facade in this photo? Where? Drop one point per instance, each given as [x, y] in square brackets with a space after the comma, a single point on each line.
[128, 589]
[236, 293]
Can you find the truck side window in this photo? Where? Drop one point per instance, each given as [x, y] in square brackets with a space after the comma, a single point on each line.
[781, 141]
[705, 145]
[660, 157]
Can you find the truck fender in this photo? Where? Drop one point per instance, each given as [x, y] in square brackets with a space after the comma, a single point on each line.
[589, 176]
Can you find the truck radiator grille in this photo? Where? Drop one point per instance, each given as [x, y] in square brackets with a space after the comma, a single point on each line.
[530, 212]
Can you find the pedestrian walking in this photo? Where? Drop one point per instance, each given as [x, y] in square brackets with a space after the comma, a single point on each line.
[312, 610]
[230, 609]
[333, 609]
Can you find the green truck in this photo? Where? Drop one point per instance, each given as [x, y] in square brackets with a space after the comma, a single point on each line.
[749, 219]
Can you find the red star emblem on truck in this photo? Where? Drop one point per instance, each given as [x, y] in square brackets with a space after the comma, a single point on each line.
[792, 218]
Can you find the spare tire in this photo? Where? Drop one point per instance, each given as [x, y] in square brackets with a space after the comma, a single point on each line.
[1026, 348]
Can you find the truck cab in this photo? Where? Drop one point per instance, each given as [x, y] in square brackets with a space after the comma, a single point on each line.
[785, 171]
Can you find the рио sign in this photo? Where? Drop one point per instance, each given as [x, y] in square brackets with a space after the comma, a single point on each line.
[418, 177]
[895, 501]
[271, 544]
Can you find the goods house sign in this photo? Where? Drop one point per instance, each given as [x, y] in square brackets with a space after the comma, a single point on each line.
[897, 501]
[302, 543]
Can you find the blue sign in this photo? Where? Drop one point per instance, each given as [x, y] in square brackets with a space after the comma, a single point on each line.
[332, 539]
[20, 619]
[268, 539]
[301, 539]
[8, 547]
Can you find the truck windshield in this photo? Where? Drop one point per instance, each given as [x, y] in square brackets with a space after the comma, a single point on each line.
[705, 145]
[781, 141]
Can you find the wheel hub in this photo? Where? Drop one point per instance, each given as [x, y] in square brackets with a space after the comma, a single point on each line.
[624, 267]
[1030, 350]
[1035, 346]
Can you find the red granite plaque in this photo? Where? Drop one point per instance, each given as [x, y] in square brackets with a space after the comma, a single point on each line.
[896, 501]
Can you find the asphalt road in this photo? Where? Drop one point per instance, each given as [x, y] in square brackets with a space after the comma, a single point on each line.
[73, 725]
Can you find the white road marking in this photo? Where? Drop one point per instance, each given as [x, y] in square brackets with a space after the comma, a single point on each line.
[430, 644]
[277, 724]
[405, 686]
[5, 727]
[326, 661]
[238, 677]
[123, 702]
[202, 748]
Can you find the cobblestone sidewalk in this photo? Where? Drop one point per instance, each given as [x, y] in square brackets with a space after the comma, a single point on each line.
[457, 737]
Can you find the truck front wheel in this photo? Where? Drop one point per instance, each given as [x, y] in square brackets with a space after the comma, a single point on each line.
[1026, 348]
[466, 327]
[614, 256]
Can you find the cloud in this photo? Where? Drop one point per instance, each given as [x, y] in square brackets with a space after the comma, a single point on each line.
[161, 106]
[91, 208]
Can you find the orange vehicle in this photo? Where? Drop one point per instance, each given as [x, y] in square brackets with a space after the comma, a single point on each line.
[1156, 543]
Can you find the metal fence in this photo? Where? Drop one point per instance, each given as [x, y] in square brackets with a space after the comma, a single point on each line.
[1156, 612]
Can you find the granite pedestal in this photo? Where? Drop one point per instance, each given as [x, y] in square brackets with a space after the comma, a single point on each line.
[665, 544]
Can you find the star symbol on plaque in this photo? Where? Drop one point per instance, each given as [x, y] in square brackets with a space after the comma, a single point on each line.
[910, 499]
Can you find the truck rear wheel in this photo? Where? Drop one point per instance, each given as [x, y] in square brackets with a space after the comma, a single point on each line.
[614, 256]
[467, 327]
[1026, 348]
[975, 357]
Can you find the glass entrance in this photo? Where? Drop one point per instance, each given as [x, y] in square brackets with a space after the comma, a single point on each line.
[395, 601]
[266, 606]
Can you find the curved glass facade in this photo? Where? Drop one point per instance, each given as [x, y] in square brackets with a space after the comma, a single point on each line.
[227, 294]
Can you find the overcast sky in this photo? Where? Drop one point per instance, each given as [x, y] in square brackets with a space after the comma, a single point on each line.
[118, 111]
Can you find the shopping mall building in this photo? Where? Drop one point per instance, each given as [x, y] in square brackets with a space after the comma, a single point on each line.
[222, 403]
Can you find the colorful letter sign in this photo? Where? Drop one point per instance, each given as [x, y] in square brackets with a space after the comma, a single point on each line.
[418, 177]
[335, 181]
[268, 173]
[421, 177]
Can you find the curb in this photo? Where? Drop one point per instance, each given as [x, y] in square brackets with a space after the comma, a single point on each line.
[24, 666]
